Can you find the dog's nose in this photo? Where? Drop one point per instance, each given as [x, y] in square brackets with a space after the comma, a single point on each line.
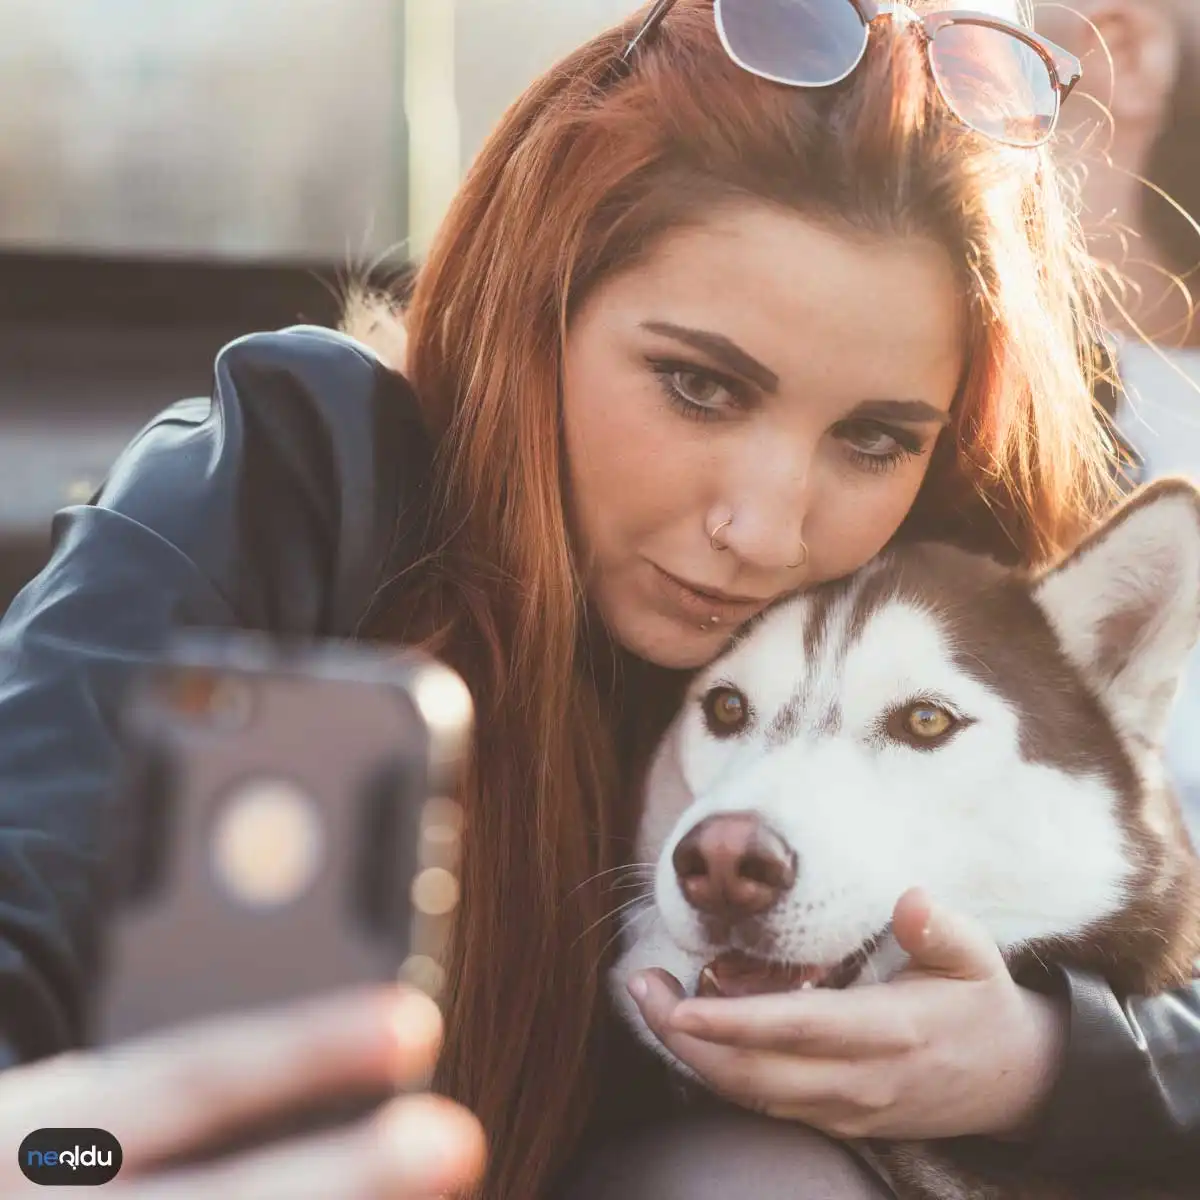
[733, 865]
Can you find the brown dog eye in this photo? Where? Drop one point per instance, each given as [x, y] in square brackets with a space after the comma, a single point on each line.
[923, 725]
[928, 721]
[726, 710]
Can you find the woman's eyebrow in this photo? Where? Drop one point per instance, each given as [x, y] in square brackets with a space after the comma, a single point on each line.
[914, 411]
[721, 349]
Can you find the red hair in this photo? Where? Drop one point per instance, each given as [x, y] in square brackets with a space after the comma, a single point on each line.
[579, 179]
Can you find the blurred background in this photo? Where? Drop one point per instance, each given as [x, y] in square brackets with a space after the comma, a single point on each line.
[174, 174]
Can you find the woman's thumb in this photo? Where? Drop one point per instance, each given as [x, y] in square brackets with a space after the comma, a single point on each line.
[941, 942]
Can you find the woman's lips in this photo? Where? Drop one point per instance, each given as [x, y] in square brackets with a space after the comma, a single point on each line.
[695, 605]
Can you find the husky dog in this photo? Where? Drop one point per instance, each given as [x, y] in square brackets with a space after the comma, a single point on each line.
[943, 721]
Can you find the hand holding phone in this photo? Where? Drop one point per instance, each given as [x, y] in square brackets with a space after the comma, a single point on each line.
[251, 1066]
[292, 831]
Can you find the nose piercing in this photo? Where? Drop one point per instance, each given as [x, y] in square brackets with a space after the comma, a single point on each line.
[803, 558]
[712, 537]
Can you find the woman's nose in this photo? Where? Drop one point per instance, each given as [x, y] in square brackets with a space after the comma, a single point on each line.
[769, 504]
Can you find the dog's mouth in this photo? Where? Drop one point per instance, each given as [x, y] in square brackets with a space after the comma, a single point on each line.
[735, 973]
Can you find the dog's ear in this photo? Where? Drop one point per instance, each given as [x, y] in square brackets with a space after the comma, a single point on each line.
[1126, 604]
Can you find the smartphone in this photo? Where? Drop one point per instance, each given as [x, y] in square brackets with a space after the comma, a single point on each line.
[290, 828]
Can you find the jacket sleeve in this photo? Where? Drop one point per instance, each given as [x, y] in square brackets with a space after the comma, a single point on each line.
[261, 507]
[1128, 1096]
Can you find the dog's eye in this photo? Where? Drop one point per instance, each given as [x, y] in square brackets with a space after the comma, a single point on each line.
[726, 710]
[928, 721]
[923, 725]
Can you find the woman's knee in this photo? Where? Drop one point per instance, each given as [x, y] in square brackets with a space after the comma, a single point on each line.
[715, 1155]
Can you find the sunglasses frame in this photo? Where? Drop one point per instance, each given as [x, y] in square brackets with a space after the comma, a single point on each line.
[1063, 68]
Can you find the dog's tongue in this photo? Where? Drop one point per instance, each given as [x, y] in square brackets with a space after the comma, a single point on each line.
[737, 974]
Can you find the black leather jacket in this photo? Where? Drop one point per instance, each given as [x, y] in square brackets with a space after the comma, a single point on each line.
[284, 503]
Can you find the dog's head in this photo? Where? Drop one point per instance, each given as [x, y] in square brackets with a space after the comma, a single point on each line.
[941, 721]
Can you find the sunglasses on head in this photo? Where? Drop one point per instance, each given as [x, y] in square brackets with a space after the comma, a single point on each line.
[999, 78]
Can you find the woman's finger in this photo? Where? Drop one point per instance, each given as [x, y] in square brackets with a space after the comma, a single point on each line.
[767, 1082]
[862, 1022]
[940, 941]
[417, 1147]
[737, 1072]
[169, 1093]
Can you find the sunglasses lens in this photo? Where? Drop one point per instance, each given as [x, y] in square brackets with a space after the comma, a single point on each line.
[802, 42]
[997, 84]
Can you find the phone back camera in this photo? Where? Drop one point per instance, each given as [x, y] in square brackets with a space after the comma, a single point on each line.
[222, 701]
[268, 844]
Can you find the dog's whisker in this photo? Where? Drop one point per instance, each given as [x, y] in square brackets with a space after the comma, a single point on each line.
[615, 912]
[638, 899]
[640, 873]
[640, 883]
[644, 881]
[629, 925]
[638, 866]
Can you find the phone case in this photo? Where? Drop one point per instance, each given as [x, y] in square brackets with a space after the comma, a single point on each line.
[291, 828]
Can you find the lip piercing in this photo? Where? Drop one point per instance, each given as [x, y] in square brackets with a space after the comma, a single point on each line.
[712, 537]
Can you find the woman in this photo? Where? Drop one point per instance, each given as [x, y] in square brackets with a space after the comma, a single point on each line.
[1140, 198]
[690, 339]
[1135, 132]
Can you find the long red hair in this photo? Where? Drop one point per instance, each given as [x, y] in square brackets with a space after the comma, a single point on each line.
[577, 181]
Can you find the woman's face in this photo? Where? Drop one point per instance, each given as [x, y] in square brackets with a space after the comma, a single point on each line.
[761, 373]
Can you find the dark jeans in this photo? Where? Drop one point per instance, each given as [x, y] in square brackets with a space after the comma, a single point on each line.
[725, 1154]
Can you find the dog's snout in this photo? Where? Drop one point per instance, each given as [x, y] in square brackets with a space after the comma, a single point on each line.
[734, 865]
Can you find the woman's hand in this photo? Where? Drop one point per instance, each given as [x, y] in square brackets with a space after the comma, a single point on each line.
[175, 1092]
[950, 1047]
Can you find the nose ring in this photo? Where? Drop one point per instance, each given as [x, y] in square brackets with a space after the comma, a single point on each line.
[803, 558]
[712, 537]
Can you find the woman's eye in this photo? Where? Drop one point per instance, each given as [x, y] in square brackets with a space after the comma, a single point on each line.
[879, 448]
[872, 439]
[695, 392]
[701, 390]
